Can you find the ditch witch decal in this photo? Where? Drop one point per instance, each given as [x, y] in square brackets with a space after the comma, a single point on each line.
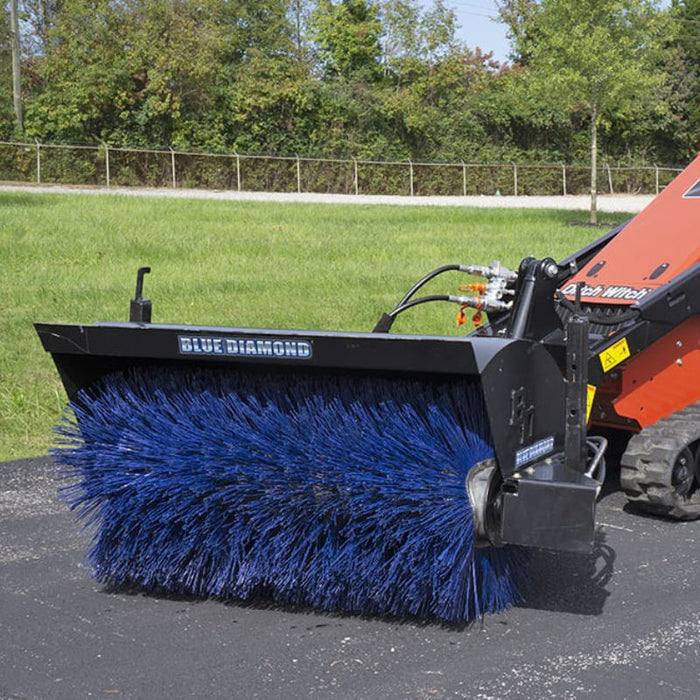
[610, 292]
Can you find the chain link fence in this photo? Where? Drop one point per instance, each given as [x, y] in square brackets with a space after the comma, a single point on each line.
[111, 166]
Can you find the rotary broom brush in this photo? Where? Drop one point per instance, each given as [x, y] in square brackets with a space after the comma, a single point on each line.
[341, 492]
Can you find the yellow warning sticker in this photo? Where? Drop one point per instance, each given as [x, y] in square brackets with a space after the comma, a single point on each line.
[614, 355]
[590, 395]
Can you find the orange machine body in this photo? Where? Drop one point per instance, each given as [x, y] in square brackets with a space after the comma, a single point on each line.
[656, 246]
[661, 379]
[660, 243]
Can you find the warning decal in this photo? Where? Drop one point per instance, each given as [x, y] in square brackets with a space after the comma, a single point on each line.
[590, 396]
[694, 191]
[614, 355]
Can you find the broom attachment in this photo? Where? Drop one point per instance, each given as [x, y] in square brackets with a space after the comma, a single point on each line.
[361, 473]
[342, 493]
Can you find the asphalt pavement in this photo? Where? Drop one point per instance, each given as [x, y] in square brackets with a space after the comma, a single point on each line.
[621, 623]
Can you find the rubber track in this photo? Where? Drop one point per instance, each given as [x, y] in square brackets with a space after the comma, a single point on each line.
[647, 465]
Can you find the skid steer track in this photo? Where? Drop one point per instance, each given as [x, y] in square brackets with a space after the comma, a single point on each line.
[659, 471]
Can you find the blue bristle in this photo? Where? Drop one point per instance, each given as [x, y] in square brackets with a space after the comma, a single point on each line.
[343, 493]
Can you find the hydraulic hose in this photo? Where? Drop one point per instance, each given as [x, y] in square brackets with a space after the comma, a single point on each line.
[386, 321]
[424, 280]
[422, 300]
[494, 272]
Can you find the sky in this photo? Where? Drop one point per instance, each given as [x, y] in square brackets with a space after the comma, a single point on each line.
[478, 26]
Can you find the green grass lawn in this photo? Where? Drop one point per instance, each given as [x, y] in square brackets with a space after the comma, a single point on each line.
[73, 258]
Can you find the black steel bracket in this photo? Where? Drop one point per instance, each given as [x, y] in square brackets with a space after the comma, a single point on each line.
[575, 448]
[140, 308]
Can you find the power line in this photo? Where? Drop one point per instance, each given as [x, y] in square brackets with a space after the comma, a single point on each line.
[461, 4]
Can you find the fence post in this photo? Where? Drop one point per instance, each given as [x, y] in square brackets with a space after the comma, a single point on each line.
[238, 171]
[172, 166]
[656, 178]
[610, 178]
[464, 179]
[298, 173]
[106, 147]
[38, 161]
[515, 179]
[410, 172]
[357, 179]
[563, 178]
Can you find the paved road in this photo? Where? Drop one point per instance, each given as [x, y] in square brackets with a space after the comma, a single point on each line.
[632, 204]
[622, 623]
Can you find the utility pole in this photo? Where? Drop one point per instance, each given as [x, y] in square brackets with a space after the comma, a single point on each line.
[16, 82]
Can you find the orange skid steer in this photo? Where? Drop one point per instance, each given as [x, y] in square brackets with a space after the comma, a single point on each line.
[643, 284]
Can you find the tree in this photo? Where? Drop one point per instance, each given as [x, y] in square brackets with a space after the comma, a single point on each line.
[299, 14]
[39, 17]
[518, 16]
[146, 71]
[400, 38]
[347, 35]
[16, 65]
[6, 107]
[438, 28]
[599, 58]
[686, 38]
[271, 107]
[443, 113]
[415, 38]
